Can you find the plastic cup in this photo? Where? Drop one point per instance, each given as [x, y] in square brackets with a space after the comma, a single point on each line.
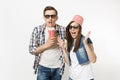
[51, 32]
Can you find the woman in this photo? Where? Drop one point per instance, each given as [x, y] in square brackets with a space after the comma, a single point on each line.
[79, 49]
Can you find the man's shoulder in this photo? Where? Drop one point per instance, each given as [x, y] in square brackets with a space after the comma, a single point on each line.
[39, 26]
[59, 25]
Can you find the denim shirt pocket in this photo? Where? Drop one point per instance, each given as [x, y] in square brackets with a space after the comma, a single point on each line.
[82, 56]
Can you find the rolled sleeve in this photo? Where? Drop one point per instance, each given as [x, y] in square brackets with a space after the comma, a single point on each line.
[33, 42]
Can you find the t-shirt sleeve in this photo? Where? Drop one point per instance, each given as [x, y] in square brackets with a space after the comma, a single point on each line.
[89, 41]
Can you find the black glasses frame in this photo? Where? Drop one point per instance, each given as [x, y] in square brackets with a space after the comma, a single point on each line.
[74, 27]
[48, 16]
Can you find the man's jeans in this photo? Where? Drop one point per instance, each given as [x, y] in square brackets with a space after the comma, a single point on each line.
[45, 73]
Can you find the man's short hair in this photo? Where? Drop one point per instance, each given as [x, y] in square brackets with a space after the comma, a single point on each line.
[50, 8]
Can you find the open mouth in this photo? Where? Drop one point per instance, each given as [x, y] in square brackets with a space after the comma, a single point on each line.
[50, 23]
[73, 34]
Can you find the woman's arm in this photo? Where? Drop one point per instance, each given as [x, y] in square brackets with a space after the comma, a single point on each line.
[63, 44]
[90, 50]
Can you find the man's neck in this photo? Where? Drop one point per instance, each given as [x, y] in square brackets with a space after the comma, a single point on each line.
[51, 26]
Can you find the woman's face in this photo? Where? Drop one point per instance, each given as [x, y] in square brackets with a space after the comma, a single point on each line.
[74, 30]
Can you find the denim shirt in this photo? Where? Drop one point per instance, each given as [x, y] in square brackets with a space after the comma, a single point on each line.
[81, 53]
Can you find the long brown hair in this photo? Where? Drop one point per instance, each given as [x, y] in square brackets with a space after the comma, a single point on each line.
[70, 39]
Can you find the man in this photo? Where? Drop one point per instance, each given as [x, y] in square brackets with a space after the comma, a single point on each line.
[49, 63]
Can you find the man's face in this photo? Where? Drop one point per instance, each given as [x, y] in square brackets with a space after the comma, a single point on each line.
[50, 18]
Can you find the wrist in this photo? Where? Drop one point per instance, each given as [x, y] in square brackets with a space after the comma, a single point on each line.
[41, 49]
[85, 43]
[44, 47]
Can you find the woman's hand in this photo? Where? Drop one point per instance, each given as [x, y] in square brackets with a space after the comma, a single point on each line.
[86, 37]
[61, 43]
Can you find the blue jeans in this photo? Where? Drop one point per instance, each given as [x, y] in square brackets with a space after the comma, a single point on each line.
[72, 79]
[45, 73]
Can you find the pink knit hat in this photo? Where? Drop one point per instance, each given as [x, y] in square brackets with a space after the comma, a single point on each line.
[78, 19]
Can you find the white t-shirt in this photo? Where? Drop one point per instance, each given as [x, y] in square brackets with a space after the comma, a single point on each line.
[50, 57]
[77, 71]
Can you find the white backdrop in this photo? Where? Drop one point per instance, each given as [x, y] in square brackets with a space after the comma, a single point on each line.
[19, 17]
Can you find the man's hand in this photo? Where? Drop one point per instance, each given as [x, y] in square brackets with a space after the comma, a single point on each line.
[51, 42]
